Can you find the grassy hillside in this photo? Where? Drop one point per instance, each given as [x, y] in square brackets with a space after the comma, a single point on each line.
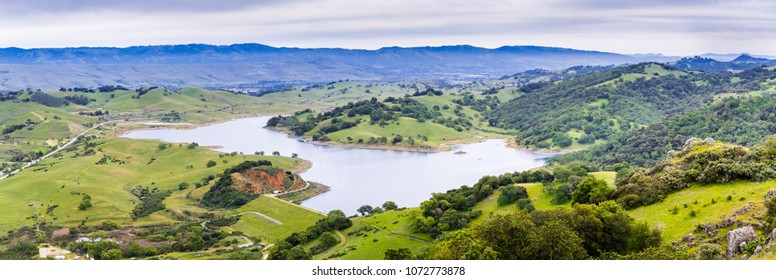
[578, 112]
[32, 127]
[370, 236]
[193, 105]
[744, 120]
[293, 218]
[59, 183]
[426, 119]
[709, 203]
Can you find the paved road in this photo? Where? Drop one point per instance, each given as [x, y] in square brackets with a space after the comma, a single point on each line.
[55, 151]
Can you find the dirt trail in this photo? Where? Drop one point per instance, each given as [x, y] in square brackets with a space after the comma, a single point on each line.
[297, 205]
[265, 255]
[39, 116]
[307, 185]
[403, 235]
[248, 243]
[268, 218]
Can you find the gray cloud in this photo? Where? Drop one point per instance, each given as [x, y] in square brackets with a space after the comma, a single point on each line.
[152, 6]
[673, 27]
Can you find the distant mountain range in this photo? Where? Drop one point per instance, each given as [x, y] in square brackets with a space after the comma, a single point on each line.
[241, 64]
[740, 63]
[257, 65]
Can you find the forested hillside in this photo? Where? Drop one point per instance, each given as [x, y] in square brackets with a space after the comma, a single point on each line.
[600, 105]
[743, 121]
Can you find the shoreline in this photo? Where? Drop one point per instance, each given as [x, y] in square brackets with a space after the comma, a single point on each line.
[511, 144]
[443, 147]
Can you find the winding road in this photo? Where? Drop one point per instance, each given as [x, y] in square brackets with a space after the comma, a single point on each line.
[55, 151]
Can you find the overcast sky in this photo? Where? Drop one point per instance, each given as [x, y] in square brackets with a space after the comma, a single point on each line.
[656, 26]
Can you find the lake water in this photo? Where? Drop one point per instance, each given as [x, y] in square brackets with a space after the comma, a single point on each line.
[361, 176]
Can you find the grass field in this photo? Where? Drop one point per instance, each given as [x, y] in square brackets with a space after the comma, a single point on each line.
[541, 201]
[371, 236]
[58, 182]
[53, 126]
[294, 218]
[675, 226]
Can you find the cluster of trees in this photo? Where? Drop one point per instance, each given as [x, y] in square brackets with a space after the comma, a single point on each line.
[377, 111]
[223, 195]
[111, 88]
[77, 89]
[79, 99]
[717, 165]
[380, 113]
[452, 210]
[151, 200]
[368, 209]
[86, 202]
[14, 127]
[744, 121]
[428, 91]
[142, 91]
[97, 113]
[603, 105]
[171, 117]
[292, 248]
[479, 105]
[9, 95]
[47, 99]
[586, 231]
[408, 107]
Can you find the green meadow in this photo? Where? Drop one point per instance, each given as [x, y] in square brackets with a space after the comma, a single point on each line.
[294, 218]
[698, 199]
[53, 189]
[370, 236]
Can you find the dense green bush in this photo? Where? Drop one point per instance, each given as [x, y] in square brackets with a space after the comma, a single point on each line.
[585, 231]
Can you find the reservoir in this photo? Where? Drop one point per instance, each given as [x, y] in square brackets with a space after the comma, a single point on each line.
[361, 176]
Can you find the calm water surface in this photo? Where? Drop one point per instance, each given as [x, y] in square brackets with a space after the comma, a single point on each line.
[361, 176]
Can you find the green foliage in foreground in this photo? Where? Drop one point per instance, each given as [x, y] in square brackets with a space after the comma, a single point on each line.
[703, 164]
[292, 248]
[585, 231]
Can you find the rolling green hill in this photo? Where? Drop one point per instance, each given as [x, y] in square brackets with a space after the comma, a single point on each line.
[107, 171]
[745, 120]
[584, 109]
[31, 127]
[426, 119]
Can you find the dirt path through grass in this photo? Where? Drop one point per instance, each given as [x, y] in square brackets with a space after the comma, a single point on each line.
[268, 218]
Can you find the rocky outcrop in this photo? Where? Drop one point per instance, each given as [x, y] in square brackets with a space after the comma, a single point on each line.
[692, 142]
[745, 209]
[737, 240]
[728, 221]
[770, 194]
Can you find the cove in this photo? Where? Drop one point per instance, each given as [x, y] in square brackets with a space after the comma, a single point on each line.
[361, 176]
